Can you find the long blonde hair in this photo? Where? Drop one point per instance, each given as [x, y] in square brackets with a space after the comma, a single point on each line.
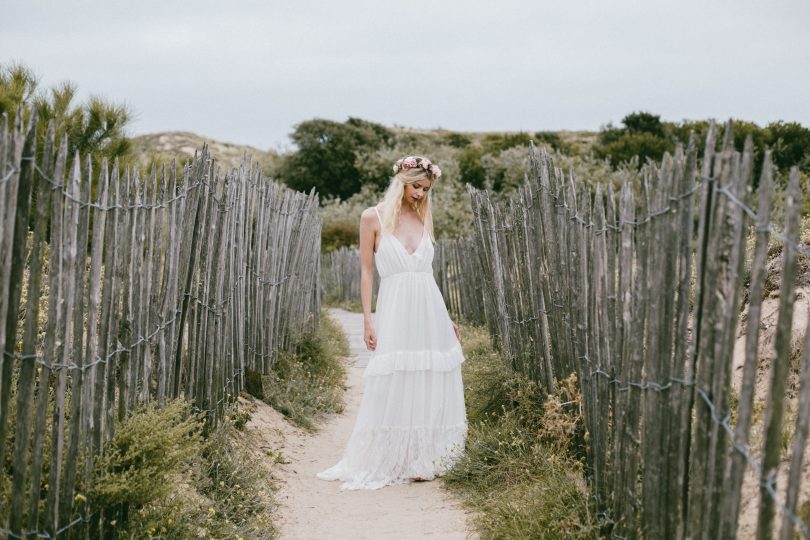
[392, 200]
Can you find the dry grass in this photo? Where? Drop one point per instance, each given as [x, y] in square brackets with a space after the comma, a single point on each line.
[309, 384]
[522, 467]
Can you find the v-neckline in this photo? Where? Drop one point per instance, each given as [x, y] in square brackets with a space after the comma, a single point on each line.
[409, 253]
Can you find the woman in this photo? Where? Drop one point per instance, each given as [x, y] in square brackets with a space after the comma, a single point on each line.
[411, 424]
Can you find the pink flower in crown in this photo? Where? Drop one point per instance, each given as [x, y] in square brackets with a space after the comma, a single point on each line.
[425, 164]
[396, 166]
[435, 170]
[409, 163]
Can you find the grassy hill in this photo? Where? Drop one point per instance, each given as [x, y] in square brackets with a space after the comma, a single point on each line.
[181, 145]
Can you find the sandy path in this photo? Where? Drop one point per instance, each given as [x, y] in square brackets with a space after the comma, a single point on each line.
[316, 509]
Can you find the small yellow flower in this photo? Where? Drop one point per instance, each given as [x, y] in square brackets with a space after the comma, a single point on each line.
[80, 498]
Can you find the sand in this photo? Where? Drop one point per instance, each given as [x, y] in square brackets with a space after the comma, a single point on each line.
[311, 508]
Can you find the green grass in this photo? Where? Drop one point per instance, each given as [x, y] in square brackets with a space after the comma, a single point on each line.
[308, 384]
[522, 467]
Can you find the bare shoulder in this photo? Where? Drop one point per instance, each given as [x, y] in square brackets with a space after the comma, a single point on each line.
[369, 217]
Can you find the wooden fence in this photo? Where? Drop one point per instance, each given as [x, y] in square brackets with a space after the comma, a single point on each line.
[637, 289]
[159, 286]
[452, 267]
[340, 276]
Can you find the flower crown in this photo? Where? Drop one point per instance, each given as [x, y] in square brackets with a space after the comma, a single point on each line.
[423, 163]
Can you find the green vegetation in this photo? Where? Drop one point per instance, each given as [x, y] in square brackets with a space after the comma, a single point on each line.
[341, 159]
[158, 478]
[96, 127]
[308, 384]
[327, 156]
[336, 235]
[498, 162]
[645, 135]
[522, 470]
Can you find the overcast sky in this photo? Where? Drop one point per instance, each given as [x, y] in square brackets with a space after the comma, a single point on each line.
[247, 72]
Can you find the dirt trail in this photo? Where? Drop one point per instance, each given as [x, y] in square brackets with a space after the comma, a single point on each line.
[316, 509]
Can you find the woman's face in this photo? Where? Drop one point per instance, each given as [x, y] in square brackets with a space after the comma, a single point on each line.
[416, 191]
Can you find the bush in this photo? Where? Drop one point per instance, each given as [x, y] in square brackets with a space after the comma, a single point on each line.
[337, 235]
[494, 143]
[158, 478]
[470, 168]
[148, 448]
[549, 138]
[629, 145]
[457, 140]
[790, 142]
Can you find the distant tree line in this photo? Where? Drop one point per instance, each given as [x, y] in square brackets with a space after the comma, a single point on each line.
[340, 158]
[645, 135]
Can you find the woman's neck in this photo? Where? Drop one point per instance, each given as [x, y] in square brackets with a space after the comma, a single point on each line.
[407, 210]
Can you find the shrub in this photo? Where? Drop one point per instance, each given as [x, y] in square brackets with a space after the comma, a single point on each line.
[147, 449]
[629, 145]
[337, 235]
[470, 168]
[551, 139]
[457, 140]
[498, 142]
[158, 478]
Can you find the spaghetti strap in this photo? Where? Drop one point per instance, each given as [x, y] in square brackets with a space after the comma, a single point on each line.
[378, 214]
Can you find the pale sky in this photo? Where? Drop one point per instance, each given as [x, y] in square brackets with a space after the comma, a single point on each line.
[247, 72]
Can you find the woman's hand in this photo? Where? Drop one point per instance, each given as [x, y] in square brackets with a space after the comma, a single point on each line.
[370, 337]
[455, 329]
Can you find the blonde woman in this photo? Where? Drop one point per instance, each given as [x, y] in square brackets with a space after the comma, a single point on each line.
[411, 424]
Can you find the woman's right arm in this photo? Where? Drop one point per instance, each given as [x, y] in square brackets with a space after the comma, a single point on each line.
[368, 233]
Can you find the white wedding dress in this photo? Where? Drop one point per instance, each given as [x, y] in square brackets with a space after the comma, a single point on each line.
[411, 422]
